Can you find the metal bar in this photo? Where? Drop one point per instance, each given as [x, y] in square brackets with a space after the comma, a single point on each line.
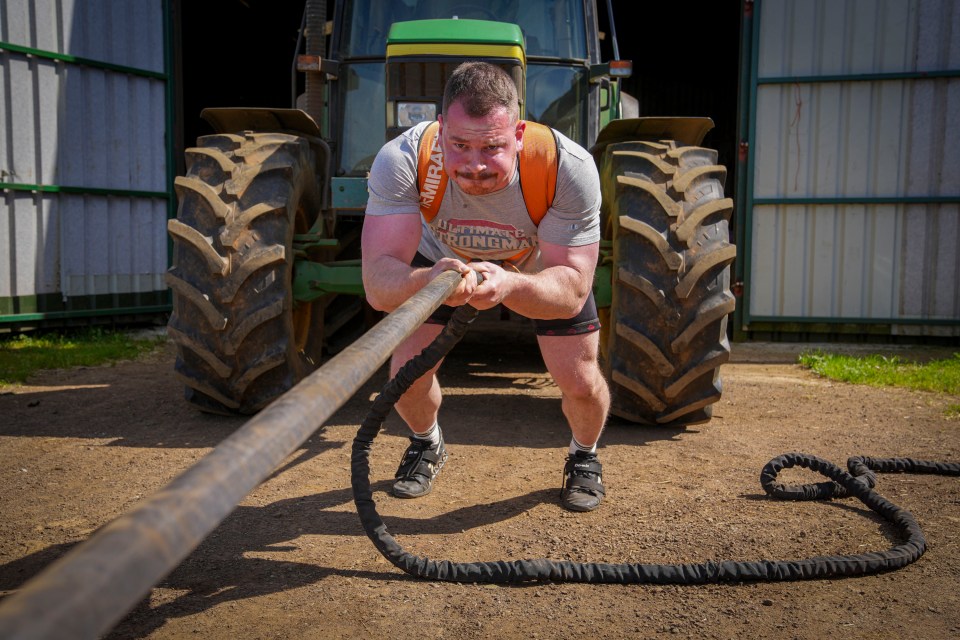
[86, 592]
[746, 249]
[82, 191]
[172, 138]
[87, 62]
[863, 77]
[870, 200]
[315, 45]
[934, 322]
[293, 63]
[613, 30]
[744, 141]
[84, 313]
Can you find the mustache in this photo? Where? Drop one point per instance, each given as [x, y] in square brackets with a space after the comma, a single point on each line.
[483, 175]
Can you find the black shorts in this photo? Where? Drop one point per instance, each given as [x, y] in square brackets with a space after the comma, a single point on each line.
[587, 321]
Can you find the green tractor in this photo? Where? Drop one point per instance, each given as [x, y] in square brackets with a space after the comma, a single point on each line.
[266, 272]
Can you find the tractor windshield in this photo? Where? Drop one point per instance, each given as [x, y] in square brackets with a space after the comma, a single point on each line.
[555, 40]
[551, 28]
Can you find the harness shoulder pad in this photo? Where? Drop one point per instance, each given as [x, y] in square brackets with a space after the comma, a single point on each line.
[538, 169]
[431, 178]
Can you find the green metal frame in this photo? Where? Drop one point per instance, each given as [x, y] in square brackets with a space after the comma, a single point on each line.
[859, 200]
[603, 276]
[83, 191]
[348, 193]
[45, 307]
[313, 280]
[20, 320]
[744, 322]
[745, 133]
[170, 96]
[863, 77]
[839, 321]
[88, 62]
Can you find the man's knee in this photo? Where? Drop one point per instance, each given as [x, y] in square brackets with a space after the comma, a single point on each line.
[584, 381]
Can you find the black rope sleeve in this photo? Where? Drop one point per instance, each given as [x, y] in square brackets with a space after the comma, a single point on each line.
[858, 483]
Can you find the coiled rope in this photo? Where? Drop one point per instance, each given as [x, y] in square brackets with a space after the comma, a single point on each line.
[859, 483]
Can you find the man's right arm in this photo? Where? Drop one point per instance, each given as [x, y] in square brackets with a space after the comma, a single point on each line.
[389, 243]
[388, 246]
[392, 228]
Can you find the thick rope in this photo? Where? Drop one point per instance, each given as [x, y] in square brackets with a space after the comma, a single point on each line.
[858, 483]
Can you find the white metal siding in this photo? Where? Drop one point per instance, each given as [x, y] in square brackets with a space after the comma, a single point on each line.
[76, 125]
[891, 138]
[833, 37]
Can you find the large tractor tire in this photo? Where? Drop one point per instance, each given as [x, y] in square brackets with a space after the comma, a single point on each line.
[666, 334]
[241, 340]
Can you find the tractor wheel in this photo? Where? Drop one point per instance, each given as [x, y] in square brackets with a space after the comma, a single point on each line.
[241, 340]
[666, 333]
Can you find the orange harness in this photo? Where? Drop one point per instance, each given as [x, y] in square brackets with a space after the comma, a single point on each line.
[538, 173]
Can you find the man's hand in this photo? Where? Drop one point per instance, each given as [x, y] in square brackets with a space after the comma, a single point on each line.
[557, 291]
[468, 280]
[497, 285]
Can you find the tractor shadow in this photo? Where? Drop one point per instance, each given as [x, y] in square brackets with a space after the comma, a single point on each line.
[501, 386]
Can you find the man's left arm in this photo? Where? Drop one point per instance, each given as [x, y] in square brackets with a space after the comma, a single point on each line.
[568, 238]
[558, 291]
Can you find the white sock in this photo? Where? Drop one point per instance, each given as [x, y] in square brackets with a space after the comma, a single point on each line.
[431, 435]
[576, 446]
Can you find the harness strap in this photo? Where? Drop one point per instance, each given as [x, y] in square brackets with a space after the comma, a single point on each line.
[538, 170]
[431, 178]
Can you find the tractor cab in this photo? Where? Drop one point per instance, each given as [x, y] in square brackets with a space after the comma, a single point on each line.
[399, 54]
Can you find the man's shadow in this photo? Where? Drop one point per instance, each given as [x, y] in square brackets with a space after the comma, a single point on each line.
[225, 567]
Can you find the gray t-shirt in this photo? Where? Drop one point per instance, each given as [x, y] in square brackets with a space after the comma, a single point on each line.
[495, 226]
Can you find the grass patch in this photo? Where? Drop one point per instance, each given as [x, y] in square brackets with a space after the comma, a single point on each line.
[939, 376]
[22, 355]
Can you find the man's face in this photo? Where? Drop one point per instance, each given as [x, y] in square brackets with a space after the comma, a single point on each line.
[480, 154]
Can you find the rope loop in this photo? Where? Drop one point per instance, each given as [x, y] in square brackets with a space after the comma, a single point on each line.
[859, 483]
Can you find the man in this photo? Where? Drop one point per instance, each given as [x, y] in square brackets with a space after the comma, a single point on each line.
[542, 271]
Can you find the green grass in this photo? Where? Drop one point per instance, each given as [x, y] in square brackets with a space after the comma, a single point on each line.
[22, 355]
[939, 376]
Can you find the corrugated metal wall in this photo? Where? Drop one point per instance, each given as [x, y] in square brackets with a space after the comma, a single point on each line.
[854, 199]
[83, 156]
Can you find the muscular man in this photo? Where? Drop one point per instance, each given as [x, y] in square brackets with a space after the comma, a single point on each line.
[542, 271]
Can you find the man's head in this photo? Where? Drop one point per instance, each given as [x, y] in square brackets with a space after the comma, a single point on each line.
[480, 88]
[480, 132]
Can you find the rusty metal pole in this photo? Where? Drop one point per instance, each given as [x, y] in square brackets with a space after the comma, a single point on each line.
[87, 591]
[315, 20]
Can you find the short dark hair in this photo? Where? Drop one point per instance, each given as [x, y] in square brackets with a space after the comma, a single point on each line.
[481, 87]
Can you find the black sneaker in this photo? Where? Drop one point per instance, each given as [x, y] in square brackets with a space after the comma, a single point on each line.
[419, 466]
[582, 482]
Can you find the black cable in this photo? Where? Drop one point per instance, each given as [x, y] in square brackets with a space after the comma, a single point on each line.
[858, 483]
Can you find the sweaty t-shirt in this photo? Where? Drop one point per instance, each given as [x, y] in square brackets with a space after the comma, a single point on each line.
[494, 226]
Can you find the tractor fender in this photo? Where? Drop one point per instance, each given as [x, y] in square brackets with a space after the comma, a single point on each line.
[234, 119]
[231, 120]
[687, 131]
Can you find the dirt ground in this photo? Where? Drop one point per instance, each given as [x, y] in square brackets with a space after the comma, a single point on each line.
[80, 447]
